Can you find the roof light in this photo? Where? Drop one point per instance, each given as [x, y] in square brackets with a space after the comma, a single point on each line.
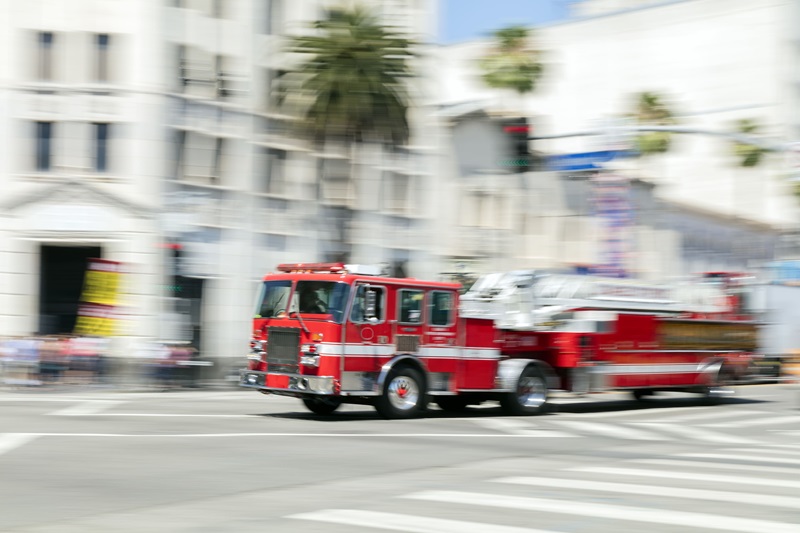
[312, 267]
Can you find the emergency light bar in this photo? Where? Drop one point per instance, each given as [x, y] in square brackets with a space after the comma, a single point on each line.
[312, 267]
[331, 268]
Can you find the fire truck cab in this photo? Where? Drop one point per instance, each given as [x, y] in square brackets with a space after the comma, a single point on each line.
[329, 333]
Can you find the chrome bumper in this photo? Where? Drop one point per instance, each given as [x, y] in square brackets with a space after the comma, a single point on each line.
[291, 383]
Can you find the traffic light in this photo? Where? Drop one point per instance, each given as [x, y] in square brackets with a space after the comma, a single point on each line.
[518, 131]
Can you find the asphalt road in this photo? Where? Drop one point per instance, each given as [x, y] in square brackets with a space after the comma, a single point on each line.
[238, 461]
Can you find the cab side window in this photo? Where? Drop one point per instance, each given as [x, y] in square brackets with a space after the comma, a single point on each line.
[441, 308]
[358, 313]
[410, 306]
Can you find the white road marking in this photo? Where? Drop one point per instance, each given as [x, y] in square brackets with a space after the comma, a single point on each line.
[652, 490]
[751, 458]
[404, 522]
[694, 476]
[9, 441]
[618, 432]
[632, 412]
[757, 422]
[515, 427]
[696, 433]
[711, 412]
[237, 435]
[614, 512]
[87, 408]
[761, 451]
[64, 399]
[156, 415]
[703, 464]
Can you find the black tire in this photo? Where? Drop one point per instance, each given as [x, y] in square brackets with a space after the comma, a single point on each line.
[322, 406]
[716, 392]
[529, 396]
[403, 394]
[452, 404]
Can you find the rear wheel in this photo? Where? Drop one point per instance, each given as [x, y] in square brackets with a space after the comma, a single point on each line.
[529, 396]
[715, 392]
[322, 406]
[403, 394]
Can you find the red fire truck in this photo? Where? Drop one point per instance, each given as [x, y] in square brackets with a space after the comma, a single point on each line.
[329, 333]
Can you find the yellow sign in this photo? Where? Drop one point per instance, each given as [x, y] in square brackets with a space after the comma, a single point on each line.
[101, 287]
[97, 312]
[95, 326]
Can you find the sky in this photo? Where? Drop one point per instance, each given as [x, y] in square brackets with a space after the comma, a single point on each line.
[464, 20]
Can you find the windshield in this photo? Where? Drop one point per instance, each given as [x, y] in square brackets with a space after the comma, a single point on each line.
[321, 298]
[274, 298]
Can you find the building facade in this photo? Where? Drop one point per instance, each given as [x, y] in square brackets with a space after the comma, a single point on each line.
[713, 62]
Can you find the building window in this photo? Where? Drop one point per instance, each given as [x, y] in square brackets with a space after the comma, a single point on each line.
[276, 169]
[274, 17]
[221, 78]
[101, 137]
[397, 191]
[201, 160]
[44, 137]
[102, 42]
[45, 56]
[218, 9]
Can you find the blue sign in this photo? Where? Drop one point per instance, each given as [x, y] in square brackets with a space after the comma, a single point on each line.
[585, 160]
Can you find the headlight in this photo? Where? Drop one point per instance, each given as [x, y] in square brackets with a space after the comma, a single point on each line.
[309, 360]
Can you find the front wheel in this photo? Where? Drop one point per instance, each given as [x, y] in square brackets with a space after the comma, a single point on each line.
[403, 394]
[322, 406]
[529, 396]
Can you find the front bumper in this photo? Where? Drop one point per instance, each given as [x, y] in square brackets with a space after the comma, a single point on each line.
[294, 384]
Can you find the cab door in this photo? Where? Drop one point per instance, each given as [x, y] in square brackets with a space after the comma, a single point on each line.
[367, 338]
[444, 359]
[410, 320]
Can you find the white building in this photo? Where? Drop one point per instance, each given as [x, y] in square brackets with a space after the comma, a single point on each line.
[715, 61]
[140, 127]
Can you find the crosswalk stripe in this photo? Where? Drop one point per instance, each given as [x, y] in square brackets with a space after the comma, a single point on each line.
[609, 430]
[782, 420]
[652, 490]
[695, 476]
[713, 412]
[751, 458]
[519, 428]
[614, 512]
[761, 450]
[404, 522]
[9, 441]
[696, 433]
[86, 408]
[704, 464]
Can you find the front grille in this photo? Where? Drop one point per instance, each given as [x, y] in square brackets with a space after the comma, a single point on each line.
[407, 343]
[283, 350]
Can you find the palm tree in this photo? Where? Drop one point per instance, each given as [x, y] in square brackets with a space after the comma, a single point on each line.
[749, 155]
[513, 63]
[650, 110]
[351, 85]
[349, 88]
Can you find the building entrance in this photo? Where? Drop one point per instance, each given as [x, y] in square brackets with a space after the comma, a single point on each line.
[62, 271]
